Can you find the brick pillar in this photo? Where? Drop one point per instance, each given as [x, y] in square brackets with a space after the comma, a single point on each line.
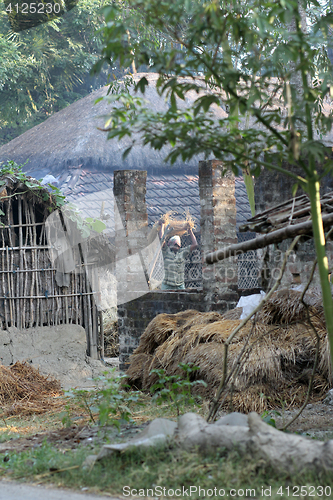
[218, 229]
[131, 223]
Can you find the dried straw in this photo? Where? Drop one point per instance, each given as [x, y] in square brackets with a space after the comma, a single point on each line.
[285, 306]
[23, 390]
[179, 223]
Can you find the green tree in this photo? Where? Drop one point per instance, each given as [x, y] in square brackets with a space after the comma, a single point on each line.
[254, 60]
[43, 69]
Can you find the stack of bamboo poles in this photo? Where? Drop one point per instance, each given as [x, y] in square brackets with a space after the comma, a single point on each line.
[279, 351]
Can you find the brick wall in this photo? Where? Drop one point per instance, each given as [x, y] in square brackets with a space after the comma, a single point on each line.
[218, 228]
[134, 316]
[131, 224]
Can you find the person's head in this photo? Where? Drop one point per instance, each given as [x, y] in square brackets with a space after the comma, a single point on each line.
[174, 243]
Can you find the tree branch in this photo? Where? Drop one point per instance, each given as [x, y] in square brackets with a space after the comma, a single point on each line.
[265, 240]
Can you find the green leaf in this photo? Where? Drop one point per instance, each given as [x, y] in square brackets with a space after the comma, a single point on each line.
[249, 184]
[98, 226]
[294, 189]
[142, 84]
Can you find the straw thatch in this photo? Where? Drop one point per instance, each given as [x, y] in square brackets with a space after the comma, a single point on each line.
[111, 334]
[71, 137]
[272, 361]
[24, 391]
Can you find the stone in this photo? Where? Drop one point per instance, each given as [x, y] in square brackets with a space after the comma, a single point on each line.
[195, 432]
[234, 419]
[329, 398]
[251, 435]
[157, 432]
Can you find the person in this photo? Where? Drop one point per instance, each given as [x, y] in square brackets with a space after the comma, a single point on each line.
[174, 259]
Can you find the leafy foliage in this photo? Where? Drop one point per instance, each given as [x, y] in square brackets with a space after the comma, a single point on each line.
[52, 196]
[55, 198]
[45, 68]
[240, 59]
[111, 402]
[262, 81]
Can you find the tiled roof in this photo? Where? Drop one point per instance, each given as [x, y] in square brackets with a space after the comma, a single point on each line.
[88, 190]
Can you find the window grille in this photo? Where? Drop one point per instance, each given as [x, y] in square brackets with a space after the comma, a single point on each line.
[248, 270]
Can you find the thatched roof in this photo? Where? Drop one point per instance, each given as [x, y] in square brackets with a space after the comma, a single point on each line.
[70, 138]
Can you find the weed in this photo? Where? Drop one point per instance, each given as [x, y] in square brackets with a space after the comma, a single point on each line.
[176, 389]
[110, 403]
[267, 417]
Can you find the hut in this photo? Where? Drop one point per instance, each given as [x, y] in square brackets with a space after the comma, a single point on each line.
[70, 147]
[45, 279]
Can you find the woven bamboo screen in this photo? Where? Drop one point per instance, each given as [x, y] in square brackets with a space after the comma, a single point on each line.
[29, 293]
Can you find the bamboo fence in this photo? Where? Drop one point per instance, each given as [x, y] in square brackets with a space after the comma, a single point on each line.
[29, 294]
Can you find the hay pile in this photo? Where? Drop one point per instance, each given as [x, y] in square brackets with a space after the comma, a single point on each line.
[278, 357]
[24, 391]
[111, 335]
[179, 224]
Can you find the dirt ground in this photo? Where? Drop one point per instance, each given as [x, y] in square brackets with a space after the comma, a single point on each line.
[316, 421]
[71, 437]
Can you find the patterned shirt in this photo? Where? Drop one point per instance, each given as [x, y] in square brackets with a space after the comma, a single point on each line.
[174, 266]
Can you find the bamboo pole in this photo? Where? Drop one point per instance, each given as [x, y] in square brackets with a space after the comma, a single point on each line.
[34, 266]
[28, 247]
[42, 297]
[101, 333]
[25, 290]
[32, 286]
[4, 287]
[10, 261]
[76, 277]
[21, 284]
[9, 291]
[265, 240]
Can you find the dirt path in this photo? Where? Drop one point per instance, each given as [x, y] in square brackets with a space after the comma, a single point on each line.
[15, 491]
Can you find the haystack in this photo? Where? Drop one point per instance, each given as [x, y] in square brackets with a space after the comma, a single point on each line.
[272, 355]
[24, 391]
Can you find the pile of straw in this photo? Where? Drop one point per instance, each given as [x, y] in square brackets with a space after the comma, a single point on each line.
[111, 335]
[277, 357]
[24, 391]
[179, 224]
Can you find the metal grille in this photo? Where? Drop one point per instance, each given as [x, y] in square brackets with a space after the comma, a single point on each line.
[193, 264]
[248, 270]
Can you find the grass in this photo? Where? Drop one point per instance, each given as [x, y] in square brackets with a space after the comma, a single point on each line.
[166, 467]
